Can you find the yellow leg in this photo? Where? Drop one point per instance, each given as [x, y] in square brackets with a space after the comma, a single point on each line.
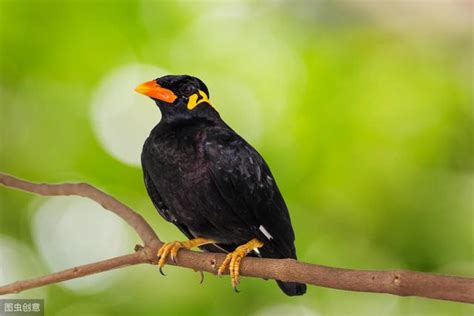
[233, 260]
[171, 249]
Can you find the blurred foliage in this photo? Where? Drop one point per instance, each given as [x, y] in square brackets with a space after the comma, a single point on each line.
[368, 127]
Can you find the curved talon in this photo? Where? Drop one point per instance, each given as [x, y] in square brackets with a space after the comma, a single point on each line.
[202, 277]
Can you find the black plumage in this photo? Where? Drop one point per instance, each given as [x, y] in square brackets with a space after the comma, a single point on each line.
[208, 181]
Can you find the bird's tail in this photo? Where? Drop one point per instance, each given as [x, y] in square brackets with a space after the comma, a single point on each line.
[292, 288]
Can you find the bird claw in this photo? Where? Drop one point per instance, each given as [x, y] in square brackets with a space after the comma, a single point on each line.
[161, 271]
[202, 277]
[160, 268]
[232, 260]
[171, 249]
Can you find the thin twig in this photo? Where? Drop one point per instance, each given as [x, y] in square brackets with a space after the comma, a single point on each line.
[76, 272]
[398, 282]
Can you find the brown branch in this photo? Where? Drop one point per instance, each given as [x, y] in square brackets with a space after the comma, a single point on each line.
[398, 282]
[74, 273]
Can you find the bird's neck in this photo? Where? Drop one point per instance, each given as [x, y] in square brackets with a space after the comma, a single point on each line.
[186, 117]
[185, 124]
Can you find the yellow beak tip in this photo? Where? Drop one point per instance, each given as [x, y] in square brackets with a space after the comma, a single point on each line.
[139, 89]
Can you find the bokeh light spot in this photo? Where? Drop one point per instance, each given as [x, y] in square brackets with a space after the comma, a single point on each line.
[71, 231]
[123, 118]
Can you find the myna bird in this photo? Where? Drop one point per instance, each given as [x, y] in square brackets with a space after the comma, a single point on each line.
[213, 185]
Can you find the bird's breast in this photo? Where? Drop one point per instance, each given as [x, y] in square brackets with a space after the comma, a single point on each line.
[177, 159]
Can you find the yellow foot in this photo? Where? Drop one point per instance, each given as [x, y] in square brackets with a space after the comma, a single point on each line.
[171, 249]
[233, 260]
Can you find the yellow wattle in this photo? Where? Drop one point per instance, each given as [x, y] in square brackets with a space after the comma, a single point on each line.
[193, 99]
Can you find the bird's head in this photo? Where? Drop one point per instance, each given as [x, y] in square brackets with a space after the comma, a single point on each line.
[178, 96]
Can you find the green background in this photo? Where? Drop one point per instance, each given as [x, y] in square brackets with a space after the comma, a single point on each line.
[364, 112]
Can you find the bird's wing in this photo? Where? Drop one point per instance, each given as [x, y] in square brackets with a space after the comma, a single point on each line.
[245, 183]
[160, 205]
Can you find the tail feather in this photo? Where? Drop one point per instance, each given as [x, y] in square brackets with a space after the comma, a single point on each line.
[292, 288]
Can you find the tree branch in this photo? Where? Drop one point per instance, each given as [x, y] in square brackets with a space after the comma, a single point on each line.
[74, 273]
[398, 282]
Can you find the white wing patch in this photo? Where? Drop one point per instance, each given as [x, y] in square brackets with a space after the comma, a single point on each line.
[265, 232]
[220, 248]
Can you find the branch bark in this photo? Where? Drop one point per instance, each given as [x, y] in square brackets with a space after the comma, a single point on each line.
[397, 282]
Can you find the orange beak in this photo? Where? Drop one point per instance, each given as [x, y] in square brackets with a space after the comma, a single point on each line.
[153, 90]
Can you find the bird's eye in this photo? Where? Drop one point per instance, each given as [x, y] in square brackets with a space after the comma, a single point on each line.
[188, 90]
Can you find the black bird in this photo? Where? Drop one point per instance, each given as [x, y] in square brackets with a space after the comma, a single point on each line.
[208, 181]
